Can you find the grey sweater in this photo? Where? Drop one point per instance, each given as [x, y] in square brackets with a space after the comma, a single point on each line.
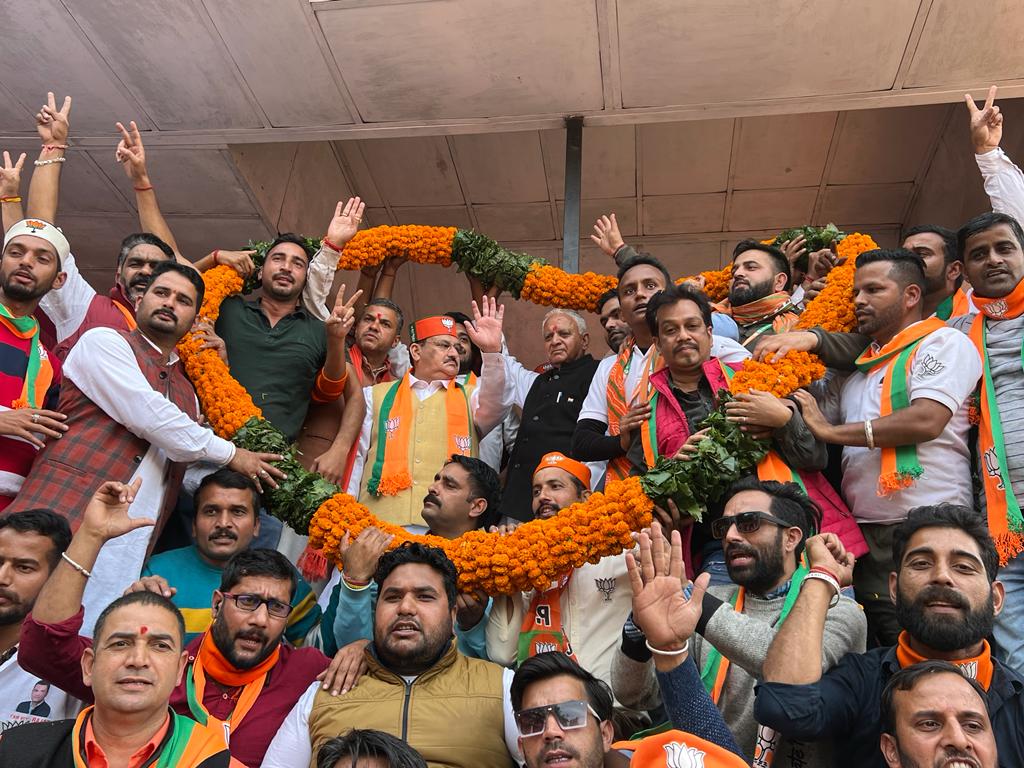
[744, 639]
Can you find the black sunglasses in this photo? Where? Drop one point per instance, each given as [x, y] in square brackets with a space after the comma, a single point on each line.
[746, 522]
[569, 714]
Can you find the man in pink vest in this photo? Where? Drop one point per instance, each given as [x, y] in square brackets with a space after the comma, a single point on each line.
[131, 413]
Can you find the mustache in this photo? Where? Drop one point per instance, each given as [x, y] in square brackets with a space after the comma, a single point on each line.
[937, 593]
[223, 534]
[432, 499]
[166, 313]
[740, 549]
[252, 634]
[10, 595]
[557, 746]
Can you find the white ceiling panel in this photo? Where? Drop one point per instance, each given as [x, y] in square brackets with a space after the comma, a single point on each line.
[772, 208]
[467, 58]
[968, 42]
[501, 167]
[195, 84]
[690, 51]
[670, 214]
[866, 202]
[418, 171]
[609, 161]
[782, 151]
[435, 216]
[683, 158]
[520, 221]
[885, 145]
[276, 49]
[44, 50]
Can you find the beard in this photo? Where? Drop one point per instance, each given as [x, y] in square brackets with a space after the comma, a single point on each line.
[744, 294]
[20, 292]
[944, 634]
[225, 643]
[764, 573]
[14, 613]
[420, 656]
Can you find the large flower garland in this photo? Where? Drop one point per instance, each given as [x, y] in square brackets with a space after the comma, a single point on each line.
[538, 551]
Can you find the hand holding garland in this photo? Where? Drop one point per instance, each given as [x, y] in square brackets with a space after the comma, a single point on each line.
[921, 421]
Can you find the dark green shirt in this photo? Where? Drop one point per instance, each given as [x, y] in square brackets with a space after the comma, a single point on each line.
[278, 366]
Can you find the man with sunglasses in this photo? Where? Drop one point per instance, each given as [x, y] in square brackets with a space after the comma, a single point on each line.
[763, 529]
[414, 424]
[239, 677]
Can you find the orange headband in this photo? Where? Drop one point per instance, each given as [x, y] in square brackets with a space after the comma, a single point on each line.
[560, 461]
[440, 325]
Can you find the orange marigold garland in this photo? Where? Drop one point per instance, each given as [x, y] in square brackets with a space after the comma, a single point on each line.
[832, 310]
[552, 287]
[530, 557]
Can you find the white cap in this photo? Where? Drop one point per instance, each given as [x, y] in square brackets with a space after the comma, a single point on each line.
[41, 229]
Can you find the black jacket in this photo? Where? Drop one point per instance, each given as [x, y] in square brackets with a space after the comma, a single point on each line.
[550, 411]
[845, 706]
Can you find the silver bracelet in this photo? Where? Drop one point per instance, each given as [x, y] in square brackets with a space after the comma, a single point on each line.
[73, 564]
[50, 161]
[869, 434]
[658, 651]
[828, 580]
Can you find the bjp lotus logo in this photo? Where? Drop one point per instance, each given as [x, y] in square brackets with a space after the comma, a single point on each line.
[35, 224]
[391, 426]
[678, 755]
[997, 308]
[463, 443]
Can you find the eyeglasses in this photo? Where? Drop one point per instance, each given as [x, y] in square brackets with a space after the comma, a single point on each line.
[569, 714]
[251, 603]
[746, 522]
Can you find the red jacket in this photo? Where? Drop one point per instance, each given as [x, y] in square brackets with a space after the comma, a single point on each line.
[53, 652]
[673, 429]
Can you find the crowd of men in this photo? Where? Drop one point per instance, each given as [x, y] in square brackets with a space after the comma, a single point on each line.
[857, 600]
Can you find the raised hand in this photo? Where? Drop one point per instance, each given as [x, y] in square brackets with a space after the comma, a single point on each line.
[342, 318]
[106, 515]
[666, 617]
[986, 123]
[606, 235]
[359, 556]
[51, 123]
[485, 330]
[132, 155]
[240, 261]
[794, 248]
[826, 551]
[346, 221]
[10, 176]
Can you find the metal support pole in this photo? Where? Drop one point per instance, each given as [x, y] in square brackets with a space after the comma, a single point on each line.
[573, 184]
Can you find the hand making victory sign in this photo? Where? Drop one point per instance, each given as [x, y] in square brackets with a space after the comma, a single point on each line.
[986, 123]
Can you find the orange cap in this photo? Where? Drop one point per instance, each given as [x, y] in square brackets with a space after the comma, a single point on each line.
[675, 748]
[575, 468]
[439, 325]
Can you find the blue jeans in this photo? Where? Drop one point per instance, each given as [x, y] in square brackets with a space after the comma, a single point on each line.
[1009, 629]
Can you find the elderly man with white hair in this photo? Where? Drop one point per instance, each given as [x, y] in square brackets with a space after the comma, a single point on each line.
[550, 401]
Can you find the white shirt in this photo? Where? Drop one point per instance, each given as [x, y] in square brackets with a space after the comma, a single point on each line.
[946, 369]
[1004, 183]
[16, 687]
[595, 406]
[489, 402]
[103, 365]
[594, 605]
[291, 747]
[66, 307]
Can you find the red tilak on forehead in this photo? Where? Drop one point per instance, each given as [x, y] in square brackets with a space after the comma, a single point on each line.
[143, 629]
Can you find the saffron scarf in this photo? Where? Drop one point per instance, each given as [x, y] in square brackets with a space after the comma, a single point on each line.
[186, 743]
[761, 309]
[389, 474]
[39, 374]
[1005, 521]
[542, 628]
[618, 403]
[978, 667]
[210, 663]
[718, 374]
[716, 666]
[955, 305]
[900, 466]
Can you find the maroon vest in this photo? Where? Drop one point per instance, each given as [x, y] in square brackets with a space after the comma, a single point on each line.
[102, 313]
[96, 448]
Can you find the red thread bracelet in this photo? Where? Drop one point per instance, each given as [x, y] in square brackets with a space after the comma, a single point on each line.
[825, 571]
[143, 189]
[332, 246]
